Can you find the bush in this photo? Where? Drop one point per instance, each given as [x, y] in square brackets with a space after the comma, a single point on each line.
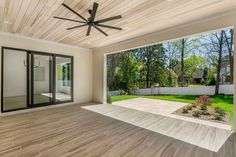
[123, 92]
[189, 107]
[205, 112]
[185, 110]
[203, 107]
[217, 116]
[204, 101]
[197, 113]
[220, 111]
[109, 101]
[194, 104]
[210, 80]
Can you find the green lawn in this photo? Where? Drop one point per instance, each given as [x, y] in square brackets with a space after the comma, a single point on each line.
[224, 101]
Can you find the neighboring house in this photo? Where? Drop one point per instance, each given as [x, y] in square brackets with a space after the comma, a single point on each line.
[198, 77]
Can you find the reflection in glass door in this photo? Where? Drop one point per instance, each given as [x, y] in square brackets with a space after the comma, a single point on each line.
[41, 67]
[33, 79]
[14, 79]
[63, 89]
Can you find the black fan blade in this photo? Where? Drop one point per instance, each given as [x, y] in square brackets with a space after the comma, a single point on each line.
[109, 19]
[94, 11]
[100, 30]
[62, 18]
[89, 29]
[111, 27]
[77, 26]
[74, 12]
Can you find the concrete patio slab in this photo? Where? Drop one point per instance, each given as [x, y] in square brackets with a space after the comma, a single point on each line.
[151, 105]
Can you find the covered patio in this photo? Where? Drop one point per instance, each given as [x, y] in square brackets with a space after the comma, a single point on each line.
[54, 81]
[105, 130]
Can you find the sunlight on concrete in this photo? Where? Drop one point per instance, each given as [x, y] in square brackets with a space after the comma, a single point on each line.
[203, 136]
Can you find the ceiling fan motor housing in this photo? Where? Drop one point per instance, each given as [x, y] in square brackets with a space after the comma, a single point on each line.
[90, 22]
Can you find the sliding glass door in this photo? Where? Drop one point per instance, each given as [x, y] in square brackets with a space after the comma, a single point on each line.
[63, 89]
[41, 75]
[14, 79]
[33, 79]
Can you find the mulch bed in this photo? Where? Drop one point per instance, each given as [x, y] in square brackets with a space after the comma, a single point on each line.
[208, 117]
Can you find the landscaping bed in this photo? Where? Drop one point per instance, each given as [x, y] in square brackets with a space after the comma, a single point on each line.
[209, 117]
[201, 109]
[223, 101]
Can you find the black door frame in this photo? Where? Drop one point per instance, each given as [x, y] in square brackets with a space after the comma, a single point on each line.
[32, 104]
[72, 78]
[30, 77]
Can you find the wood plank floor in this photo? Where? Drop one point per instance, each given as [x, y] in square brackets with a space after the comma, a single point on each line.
[77, 132]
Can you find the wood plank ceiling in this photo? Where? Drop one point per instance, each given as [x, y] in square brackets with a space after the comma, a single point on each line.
[34, 18]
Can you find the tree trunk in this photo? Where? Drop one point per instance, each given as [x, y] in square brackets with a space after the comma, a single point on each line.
[170, 69]
[219, 63]
[230, 52]
[182, 63]
[148, 69]
[231, 60]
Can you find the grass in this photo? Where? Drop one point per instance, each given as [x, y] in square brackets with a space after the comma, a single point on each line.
[224, 101]
[122, 97]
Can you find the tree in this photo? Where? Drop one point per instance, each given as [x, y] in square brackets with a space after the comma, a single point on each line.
[219, 62]
[214, 46]
[183, 42]
[128, 73]
[194, 64]
[229, 37]
[184, 48]
[113, 62]
[153, 59]
[172, 56]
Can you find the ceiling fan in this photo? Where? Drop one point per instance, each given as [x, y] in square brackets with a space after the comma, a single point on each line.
[91, 22]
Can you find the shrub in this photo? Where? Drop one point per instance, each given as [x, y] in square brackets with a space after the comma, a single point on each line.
[109, 101]
[210, 80]
[205, 112]
[217, 116]
[185, 110]
[189, 107]
[197, 113]
[204, 101]
[123, 92]
[194, 104]
[203, 107]
[220, 111]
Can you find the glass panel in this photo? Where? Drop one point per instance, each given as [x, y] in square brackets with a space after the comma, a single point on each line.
[42, 78]
[63, 79]
[15, 80]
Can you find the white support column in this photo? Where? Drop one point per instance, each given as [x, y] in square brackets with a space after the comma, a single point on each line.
[234, 129]
[104, 79]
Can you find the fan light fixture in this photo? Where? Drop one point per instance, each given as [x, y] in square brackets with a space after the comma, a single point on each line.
[90, 22]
